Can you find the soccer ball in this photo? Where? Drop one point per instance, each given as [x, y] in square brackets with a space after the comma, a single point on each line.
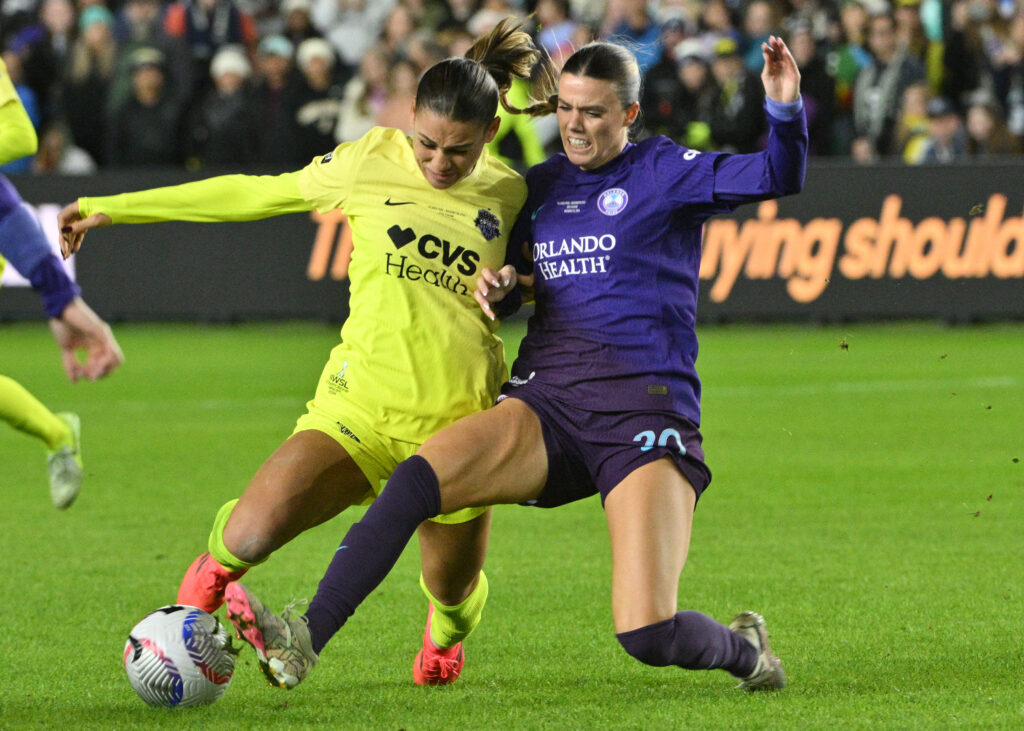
[179, 656]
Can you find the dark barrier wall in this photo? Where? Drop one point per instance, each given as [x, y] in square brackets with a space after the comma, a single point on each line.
[858, 243]
[874, 242]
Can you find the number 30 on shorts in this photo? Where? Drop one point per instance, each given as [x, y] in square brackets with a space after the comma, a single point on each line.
[648, 438]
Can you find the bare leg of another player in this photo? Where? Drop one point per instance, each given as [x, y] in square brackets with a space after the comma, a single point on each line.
[650, 514]
[452, 559]
[308, 480]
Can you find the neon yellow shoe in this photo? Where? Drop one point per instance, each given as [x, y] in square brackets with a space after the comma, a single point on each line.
[768, 673]
[65, 465]
[436, 666]
[283, 646]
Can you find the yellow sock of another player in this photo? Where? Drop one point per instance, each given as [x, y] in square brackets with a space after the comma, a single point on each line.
[206, 579]
[27, 414]
[216, 546]
[452, 624]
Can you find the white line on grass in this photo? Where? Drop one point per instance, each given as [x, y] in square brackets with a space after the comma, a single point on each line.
[915, 384]
[217, 404]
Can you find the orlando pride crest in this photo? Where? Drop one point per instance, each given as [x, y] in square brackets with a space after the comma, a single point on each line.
[488, 224]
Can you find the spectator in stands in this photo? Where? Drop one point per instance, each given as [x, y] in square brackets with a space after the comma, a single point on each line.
[813, 13]
[700, 95]
[717, 22]
[297, 21]
[737, 120]
[630, 22]
[398, 28]
[223, 127]
[964, 56]
[759, 22]
[319, 97]
[276, 98]
[912, 126]
[880, 86]
[58, 154]
[987, 133]
[364, 96]
[140, 24]
[1004, 42]
[205, 26]
[352, 26]
[911, 35]
[458, 15]
[88, 79]
[425, 49]
[396, 111]
[556, 28]
[1013, 103]
[661, 99]
[845, 62]
[947, 140]
[42, 50]
[147, 129]
[817, 88]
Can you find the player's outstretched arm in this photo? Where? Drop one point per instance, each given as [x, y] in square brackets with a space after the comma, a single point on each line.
[80, 329]
[72, 227]
[220, 198]
[780, 75]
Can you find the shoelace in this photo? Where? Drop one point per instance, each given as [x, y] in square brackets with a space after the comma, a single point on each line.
[446, 666]
[286, 613]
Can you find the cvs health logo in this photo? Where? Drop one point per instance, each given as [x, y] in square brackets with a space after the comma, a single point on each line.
[432, 247]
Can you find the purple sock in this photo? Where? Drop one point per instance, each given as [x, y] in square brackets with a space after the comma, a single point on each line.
[372, 546]
[693, 641]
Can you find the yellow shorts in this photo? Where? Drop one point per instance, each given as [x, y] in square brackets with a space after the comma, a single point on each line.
[375, 454]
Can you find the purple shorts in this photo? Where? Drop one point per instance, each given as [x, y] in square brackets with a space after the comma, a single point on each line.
[590, 452]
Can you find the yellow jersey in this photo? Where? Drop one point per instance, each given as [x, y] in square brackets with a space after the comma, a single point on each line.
[417, 353]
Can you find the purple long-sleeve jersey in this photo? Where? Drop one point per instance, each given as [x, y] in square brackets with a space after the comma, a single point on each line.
[616, 254]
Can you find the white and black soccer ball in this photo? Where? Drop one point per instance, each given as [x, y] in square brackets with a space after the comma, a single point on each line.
[179, 656]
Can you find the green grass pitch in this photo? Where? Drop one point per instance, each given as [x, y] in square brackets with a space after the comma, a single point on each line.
[868, 499]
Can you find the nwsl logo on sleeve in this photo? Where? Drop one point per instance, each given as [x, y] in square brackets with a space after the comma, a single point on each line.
[488, 224]
[613, 201]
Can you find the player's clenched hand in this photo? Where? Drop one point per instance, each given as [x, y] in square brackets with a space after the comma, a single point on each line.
[494, 286]
[72, 227]
[79, 328]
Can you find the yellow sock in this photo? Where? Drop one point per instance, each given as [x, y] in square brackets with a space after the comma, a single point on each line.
[452, 624]
[216, 546]
[27, 414]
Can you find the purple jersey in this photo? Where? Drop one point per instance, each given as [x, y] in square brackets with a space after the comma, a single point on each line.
[616, 255]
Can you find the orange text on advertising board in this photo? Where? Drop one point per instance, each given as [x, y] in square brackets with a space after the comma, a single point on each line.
[806, 255]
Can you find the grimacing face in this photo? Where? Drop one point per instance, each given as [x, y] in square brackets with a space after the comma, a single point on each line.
[592, 122]
[446, 150]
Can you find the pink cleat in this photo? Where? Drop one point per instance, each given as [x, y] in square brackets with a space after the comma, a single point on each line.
[437, 666]
[283, 645]
[204, 583]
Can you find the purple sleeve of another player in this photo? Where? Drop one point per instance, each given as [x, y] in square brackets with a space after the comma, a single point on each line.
[53, 285]
[23, 243]
[776, 171]
[514, 255]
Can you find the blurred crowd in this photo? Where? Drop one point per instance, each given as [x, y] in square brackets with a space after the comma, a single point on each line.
[272, 83]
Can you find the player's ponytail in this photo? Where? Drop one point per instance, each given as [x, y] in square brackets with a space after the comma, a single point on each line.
[469, 89]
